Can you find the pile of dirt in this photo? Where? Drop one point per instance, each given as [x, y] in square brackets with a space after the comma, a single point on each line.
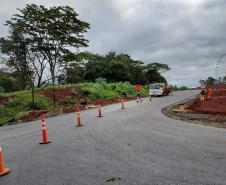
[60, 93]
[217, 104]
[32, 115]
[182, 111]
[211, 113]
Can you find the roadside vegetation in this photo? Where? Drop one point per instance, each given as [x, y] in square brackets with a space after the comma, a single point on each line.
[39, 58]
[20, 102]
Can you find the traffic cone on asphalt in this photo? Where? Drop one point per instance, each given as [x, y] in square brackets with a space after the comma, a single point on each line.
[99, 113]
[3, 170]
[78, 120]
[44, 132]
[123, 104]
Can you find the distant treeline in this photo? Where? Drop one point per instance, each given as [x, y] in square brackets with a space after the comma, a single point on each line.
[40, 49]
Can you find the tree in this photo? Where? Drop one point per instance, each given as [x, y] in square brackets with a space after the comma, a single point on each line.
[209, 81]
[15, 52]
[53, 32]
[8, 82]
[153, 72]
[121, 67]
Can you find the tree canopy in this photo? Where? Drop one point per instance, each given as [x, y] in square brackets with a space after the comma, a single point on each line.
[43, 45]
[113, 67]
[45, 35]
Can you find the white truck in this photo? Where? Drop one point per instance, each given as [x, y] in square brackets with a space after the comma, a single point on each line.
[159, 89]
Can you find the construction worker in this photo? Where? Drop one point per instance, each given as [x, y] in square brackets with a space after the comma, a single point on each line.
[203, 94]
[139, 96]
[209, 93]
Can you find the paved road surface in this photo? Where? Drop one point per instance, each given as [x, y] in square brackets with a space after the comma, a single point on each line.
[136, 146]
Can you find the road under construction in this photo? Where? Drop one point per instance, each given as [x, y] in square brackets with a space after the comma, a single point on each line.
[137, 145]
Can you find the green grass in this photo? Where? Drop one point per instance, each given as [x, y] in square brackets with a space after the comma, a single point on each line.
[20, 105]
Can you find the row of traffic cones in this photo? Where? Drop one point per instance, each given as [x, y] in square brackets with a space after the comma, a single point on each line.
[99, 113]
[45, 140]
[79, 124]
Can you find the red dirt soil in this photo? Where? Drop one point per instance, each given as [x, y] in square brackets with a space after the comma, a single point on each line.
[5, 100]
[32, 115]
[217, 104]
[62, 93]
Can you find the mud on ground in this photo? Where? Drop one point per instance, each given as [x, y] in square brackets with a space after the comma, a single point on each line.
[190, 110]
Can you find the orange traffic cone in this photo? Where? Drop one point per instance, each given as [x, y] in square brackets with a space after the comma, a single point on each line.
[123, 104]
[78, 120]
[44, 132]
[3, 170]
[99, 113]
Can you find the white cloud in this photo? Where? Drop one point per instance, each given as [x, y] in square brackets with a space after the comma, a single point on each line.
[189, 35]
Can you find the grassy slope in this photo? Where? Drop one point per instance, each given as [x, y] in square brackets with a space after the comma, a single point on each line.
[22, 102]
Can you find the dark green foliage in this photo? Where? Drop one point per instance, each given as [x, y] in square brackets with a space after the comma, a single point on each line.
[112, 67]
[22, 104]
[15, 55]
[41, 36]
[203, 92]
[209, 81]
[153, 72]
[8, 82]
[176, 88]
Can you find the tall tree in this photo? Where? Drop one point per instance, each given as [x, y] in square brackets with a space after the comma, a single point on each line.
[53, 32]
[15, 51]
[153, 72]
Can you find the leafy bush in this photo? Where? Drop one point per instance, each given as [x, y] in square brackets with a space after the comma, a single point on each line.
[2, 90]
[1, 95]
[84, 101]
[145, 90]
[124, 89]
[101, 81]
[24, 102]
[21, 104]
[203, 92]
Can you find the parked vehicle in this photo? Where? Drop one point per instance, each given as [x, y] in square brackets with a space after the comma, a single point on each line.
[159, 89]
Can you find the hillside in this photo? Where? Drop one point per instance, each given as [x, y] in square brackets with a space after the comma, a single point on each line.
[17, 106]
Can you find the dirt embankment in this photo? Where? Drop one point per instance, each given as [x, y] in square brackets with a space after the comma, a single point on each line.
[212, 113]
[217, 104]
[61, 94]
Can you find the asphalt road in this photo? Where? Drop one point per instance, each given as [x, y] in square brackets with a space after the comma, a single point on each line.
[135, 146]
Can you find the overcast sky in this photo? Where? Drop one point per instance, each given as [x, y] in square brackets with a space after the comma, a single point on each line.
[188, 35]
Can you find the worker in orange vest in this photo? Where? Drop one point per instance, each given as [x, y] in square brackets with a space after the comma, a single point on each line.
[209, 93]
